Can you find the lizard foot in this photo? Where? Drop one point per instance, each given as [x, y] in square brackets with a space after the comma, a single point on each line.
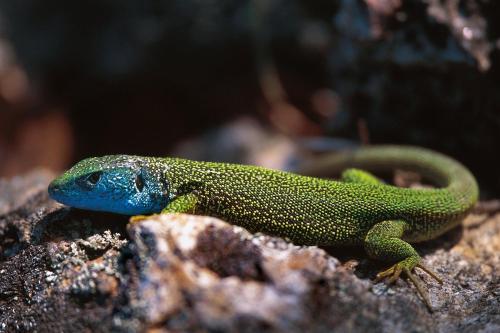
[407, 266]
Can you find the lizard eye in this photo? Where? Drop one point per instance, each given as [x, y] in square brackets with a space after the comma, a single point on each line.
[94, 177]
[139, 182]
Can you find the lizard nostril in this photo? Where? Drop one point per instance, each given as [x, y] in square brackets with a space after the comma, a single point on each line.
[53, 188]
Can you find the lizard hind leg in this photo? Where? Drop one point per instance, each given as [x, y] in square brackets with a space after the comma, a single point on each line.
[384, 242]
[359, 176]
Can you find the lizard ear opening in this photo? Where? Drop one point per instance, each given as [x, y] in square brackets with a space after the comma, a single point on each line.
[139, 182]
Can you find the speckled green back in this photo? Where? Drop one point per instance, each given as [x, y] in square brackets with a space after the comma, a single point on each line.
[311, 210]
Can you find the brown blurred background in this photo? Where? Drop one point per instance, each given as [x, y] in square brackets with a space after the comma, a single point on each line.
[260, 81]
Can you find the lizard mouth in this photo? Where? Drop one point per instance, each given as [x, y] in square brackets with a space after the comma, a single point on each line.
[55, 191]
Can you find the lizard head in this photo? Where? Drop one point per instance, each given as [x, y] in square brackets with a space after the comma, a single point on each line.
[120, 184]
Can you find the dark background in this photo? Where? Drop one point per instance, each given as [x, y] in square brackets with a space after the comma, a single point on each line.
[262, 81]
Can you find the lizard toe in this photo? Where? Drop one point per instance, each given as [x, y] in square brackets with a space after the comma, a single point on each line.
[407, 266]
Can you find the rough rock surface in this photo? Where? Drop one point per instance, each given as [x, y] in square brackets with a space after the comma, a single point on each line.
[68, 270]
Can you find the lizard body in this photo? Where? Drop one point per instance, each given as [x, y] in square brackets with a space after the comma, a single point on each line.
[358, 210]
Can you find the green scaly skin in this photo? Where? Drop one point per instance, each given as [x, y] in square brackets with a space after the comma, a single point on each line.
[358, 210]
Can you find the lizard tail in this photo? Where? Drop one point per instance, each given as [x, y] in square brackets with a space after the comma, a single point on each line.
[441, 170]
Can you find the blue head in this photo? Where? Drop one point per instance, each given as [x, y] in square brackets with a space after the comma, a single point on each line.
[120, 184]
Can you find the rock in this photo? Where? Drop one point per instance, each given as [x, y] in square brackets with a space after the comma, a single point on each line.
[59, 269]
[67, 270]
[223, 276]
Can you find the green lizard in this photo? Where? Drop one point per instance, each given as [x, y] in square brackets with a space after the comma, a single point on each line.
[358, 210]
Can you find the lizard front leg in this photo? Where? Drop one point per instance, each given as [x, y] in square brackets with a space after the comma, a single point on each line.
[384, 242]
[185, 203]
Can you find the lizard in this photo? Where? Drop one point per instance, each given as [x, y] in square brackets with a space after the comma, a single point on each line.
[359, 209]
